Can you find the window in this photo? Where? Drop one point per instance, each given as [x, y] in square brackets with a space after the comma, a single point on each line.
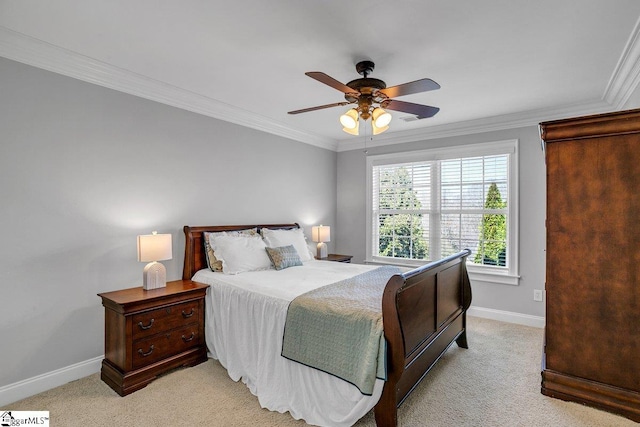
[430, 204]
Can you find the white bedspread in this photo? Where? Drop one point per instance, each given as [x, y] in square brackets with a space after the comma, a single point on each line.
[245, 317]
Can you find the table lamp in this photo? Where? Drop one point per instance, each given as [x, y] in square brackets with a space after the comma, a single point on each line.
[321, 234]
[152, 248]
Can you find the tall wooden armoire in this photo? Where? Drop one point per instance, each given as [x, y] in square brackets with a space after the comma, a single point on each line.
[592, 333]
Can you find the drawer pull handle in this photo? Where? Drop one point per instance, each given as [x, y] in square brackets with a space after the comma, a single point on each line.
[143, 354]
[187, 315]
[185, 339]
[143, 327]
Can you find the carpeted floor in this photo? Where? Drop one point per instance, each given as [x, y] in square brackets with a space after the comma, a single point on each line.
[496, 382]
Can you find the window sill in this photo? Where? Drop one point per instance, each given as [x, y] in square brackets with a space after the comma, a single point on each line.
[493, 276]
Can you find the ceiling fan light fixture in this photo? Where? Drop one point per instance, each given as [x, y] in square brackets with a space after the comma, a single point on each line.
[367, 92]
[350, 119]
[380, 118]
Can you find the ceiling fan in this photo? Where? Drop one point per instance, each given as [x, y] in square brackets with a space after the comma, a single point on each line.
[372, 96]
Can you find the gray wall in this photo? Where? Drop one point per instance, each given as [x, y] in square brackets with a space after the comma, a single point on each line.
[84, 169]
[532, 192]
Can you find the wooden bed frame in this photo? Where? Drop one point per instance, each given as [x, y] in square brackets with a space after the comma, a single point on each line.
[423, 311]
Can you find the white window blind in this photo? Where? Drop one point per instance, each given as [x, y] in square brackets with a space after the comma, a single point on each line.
[444, 201]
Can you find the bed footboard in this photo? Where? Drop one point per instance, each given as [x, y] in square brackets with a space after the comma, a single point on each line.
[424, 312]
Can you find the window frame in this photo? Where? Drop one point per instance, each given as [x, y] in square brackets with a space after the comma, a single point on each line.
[484, 273]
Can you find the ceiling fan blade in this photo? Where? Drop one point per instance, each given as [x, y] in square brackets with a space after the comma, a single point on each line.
[320, 107]
[422, 85]
[422, 111]
[330, 81]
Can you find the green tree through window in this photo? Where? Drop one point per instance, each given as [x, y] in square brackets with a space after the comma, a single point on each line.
[401, 233]
[493, 231]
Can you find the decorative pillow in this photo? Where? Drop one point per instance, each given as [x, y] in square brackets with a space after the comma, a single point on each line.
[283, 257]
[295, 237]
[240, 253]
[212, 262]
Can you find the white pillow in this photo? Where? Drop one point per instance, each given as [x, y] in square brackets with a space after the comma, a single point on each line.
[214, 263]
[295, 237]
[240, 253]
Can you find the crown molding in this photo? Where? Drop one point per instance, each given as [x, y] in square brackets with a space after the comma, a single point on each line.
[31, 51]
[626, 76]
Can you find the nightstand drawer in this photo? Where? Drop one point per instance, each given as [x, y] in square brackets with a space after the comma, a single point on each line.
[159, 346]
[163, 319]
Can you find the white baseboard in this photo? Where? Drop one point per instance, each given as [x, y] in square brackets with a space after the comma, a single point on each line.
[507, 316]
[25, 388]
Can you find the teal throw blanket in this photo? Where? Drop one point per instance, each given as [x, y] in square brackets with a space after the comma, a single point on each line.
[338, 329]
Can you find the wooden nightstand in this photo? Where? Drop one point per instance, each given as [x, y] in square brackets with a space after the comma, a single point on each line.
[150, 332]
[337, 258]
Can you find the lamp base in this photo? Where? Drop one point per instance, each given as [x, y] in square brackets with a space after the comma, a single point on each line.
[154, 276]
[322, 250]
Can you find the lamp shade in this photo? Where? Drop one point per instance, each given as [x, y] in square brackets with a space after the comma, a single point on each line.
[321, 233]
[376, 130]
[380, 118]
[154, 247]
[350, 119]
[354, 131]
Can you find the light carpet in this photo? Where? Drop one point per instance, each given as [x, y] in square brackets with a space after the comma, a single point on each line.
[496, 382]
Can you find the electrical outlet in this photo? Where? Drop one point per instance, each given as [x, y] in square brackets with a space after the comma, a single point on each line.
[537, 294]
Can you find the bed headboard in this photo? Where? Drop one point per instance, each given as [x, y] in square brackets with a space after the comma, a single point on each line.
[194, 256]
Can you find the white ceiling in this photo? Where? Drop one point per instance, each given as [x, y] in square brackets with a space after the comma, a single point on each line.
[500, 63]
